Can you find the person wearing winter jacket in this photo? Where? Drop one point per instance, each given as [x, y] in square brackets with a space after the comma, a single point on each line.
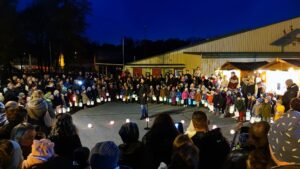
[241, 107]
[185, 96]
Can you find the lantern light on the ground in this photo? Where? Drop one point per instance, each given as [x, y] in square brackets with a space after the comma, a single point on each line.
[88, 103]
[160, 99]
[76, 104]
[112, 122]
[80, 104]
[105, 100]
[117, 96]
[90, 125]
[64, 110]
[232, 132]
[71, 105]
[147, 122]
[121, 96]
[68, 109]
[182, 121]
[109, 99]
[214, 126]
[165, 99]
[271, 120]
[101, 99]
[107, 94]
[127, 120]
[92, 102]
[124, 99]
[98, 100]
[153, 98]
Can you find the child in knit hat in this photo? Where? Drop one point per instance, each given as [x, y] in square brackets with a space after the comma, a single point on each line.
[41, 151]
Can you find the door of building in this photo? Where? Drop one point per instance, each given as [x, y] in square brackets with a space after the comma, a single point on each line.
[156, 71]
[137, 71]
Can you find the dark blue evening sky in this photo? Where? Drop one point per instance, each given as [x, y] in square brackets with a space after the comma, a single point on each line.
[161, 19]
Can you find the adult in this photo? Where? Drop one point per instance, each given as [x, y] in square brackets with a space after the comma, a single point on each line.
[213, 147]
[237, 159]
[10, 155]
[158, 142]
[65, 137]
[39, 114]
[186, 157]
[15, 115]
[233, 82]
[105, 155]
[24, 134]
[42, 151]
[284, 139]
[142, 96]
[291, 92]
[3, 119]
[131, 151]
[10, 94]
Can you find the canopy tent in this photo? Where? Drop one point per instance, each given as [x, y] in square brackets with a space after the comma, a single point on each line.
[241, 69]
[277, 72]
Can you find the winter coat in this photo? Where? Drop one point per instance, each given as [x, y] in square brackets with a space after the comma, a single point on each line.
[192, 94]
[265, 110]
[142, 94]
[292, 91]
[240, 105]
[185, 95]
[198, 97]
[131, 155]
[233, 83]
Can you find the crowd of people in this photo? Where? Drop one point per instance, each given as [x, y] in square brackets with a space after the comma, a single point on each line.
[37, 131]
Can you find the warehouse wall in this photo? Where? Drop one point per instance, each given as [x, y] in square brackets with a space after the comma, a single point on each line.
[257, 40]
[175, 57]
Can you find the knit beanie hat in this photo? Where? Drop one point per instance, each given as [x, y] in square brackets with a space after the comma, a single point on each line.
[284, 137]
[37, 108]
[129, 132]
[105, 155]
[42, 149]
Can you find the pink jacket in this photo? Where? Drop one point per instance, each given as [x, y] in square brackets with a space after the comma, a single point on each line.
[185, 95]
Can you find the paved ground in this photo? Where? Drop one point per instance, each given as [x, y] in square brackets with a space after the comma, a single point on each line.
[100, 117]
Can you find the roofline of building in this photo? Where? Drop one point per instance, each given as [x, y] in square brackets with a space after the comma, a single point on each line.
[214, 39]
[157, 65]
[246, 54]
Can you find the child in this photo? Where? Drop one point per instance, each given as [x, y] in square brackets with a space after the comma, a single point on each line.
[198, 97]
[178, 96]
[279, 110]
[185, 96]
[241, 107]
[266, 110]
[192, 95]
[210, 97]
[173, 96]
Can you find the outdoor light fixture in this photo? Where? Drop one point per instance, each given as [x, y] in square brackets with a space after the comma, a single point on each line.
[90, 125]
[68, 109]
[112, 122]
[147, 122]
[127, 120]
[214, 126]
[92, 102]
[182, 121]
